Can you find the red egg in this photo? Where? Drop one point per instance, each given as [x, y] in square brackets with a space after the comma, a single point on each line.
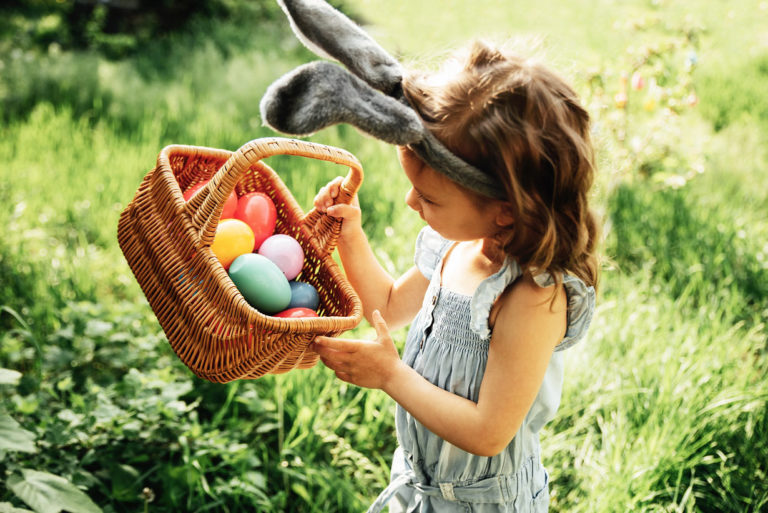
[297, 313]
[258, 211]
[227, 211]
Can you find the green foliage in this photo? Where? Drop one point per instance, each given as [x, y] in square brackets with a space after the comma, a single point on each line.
[95, 88]
[50, 493]
[643, 98]
[688, 251]
[735, 92]
[664, 407]
[14, 437]
[125, 415]
[683, 428]
[116, 28]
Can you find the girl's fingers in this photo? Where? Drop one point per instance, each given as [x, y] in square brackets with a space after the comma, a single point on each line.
[379, 324]
[333, 188]
[336, 344]
[342, 210]
[332, 360]
[321, 198]
[327, 195]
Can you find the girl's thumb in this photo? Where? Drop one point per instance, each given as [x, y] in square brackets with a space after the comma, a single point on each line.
[380, 324]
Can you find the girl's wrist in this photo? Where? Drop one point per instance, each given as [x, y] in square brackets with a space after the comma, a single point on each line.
[397, 375]
[353, 238]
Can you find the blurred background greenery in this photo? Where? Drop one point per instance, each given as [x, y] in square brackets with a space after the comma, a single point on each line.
[664, 406]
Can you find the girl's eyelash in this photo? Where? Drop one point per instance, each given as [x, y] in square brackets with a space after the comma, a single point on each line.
[422, 198]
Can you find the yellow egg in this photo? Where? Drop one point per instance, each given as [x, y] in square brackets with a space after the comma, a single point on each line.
[233, 238]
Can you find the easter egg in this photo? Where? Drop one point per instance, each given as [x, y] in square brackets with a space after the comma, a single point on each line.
[303, 295]
[297, 313]
[258, 211]
[233, 238]
[261, 283]
[227, 211]
[286, 252]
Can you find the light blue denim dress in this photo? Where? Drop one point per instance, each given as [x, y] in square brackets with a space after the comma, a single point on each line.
[448, 345]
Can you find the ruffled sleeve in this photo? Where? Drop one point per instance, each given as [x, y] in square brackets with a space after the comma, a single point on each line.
[581, 302]
[581, 306]
[487, 293]
[430, 247]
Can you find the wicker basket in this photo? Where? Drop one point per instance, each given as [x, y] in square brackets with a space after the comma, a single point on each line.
[166, 242]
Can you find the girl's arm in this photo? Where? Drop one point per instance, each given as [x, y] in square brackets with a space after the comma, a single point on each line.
[397, 300]
[525, 333]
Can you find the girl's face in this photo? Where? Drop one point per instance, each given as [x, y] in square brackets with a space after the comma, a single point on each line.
[448, 208]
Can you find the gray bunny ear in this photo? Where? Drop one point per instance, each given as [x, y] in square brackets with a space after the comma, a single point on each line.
[329, 33]
[320, 94]
[370, 98]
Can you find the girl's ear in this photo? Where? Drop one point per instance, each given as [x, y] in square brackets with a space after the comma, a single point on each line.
[505, 216]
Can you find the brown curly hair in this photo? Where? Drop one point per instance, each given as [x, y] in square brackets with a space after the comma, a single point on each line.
[519, 121]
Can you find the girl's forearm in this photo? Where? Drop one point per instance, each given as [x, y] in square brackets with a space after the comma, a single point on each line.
[453, 418]
[371, 282]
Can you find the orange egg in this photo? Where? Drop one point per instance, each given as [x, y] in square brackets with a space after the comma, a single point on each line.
[233, 238]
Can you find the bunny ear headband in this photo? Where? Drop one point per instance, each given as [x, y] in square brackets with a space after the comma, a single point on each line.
[320, 94]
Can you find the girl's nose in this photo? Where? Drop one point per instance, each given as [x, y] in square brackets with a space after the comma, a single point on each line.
[411, 200]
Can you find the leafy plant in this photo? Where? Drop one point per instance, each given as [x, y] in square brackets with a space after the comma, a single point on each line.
[667, 397]
[641, 100]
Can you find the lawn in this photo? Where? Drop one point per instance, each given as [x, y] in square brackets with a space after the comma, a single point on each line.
[664, 406]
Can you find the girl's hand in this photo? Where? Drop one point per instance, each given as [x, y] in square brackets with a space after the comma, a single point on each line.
[325, 202]
[365, 363]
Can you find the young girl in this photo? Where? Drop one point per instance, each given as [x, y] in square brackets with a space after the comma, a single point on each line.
[499, 288]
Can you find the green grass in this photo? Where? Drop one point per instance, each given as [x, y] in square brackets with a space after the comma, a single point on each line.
[681, 429]
[664, 407]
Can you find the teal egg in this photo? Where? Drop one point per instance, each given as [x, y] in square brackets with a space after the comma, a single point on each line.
[304, 295]
[261, 282]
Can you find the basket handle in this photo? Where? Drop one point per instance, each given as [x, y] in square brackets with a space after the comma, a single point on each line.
[324, 228]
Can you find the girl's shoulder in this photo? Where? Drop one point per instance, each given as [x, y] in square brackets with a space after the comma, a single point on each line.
[511, 285]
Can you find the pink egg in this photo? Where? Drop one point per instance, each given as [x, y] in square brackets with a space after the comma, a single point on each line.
[286, 252]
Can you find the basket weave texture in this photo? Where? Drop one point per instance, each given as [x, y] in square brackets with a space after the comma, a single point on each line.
[166, 242]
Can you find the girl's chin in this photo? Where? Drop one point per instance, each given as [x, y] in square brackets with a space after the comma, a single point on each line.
[446, 236]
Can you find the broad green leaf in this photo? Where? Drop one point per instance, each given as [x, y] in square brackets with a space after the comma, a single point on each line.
[13, 437]
[7, 507]
[9, 377]
[106, 411]
[48, 493]
[97, 328]
[125, 482]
